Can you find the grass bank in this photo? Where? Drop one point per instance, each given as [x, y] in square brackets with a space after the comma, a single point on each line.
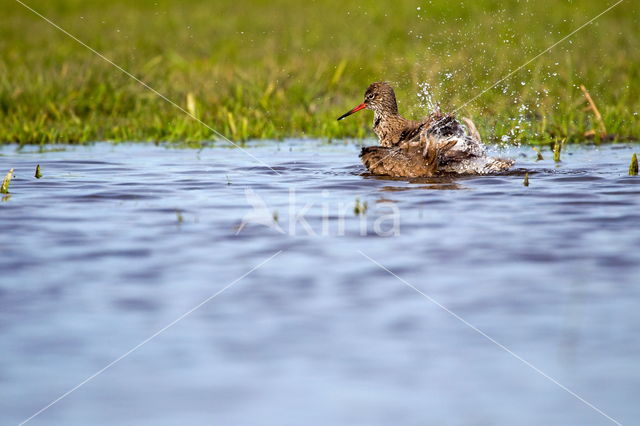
[284, 68]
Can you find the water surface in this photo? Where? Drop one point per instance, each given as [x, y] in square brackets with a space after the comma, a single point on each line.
[115, 242]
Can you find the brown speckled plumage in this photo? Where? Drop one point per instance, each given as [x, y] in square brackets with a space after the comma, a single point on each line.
[409, 148]
[415, 160]
[392, 129]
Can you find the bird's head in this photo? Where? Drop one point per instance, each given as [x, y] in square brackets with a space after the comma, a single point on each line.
[379, 98]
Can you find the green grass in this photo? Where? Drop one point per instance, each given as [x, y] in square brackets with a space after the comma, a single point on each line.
[4, 187]
[273, 69]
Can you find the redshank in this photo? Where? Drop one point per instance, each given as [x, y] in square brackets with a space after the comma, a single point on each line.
[409, 148]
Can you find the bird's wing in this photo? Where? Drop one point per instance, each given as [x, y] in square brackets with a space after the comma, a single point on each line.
[412, 132]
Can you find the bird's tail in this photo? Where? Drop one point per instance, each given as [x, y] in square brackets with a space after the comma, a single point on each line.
[471, 127]
[434, 149]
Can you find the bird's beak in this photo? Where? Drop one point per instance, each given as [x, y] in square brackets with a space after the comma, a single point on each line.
[356, 109]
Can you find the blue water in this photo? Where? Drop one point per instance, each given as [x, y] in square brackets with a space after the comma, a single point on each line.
[116, 242]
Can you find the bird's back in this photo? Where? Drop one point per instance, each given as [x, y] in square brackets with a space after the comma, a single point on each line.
[395, 130]
[395, 161]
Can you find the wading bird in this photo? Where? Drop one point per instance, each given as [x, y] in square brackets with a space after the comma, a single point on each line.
[409, 148]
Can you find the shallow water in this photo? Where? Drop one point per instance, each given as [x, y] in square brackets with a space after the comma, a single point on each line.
[116, 242]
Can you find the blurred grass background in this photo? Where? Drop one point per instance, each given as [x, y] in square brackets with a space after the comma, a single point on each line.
[283, 68]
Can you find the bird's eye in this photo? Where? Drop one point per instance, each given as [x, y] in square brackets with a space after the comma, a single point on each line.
[369, 96]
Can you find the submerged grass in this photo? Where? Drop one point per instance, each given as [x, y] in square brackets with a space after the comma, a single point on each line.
[281, 68]
[557, 149]
[539, 156]
[360, 208]
[4, 187]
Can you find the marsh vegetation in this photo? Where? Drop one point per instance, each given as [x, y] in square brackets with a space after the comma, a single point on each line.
[285, 69]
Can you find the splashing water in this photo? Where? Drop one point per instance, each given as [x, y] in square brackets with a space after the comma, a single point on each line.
[425, 98]
[519, 124]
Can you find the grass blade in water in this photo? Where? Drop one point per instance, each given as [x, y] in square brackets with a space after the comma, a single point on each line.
[539, 157]
[633, 167]
[4, 189]
[360, 208]
[557, 147]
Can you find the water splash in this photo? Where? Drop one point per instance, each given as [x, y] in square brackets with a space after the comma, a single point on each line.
[520, 123]
[425, 98]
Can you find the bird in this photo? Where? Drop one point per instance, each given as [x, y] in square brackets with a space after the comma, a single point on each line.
[409, 161]
[408, 148]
